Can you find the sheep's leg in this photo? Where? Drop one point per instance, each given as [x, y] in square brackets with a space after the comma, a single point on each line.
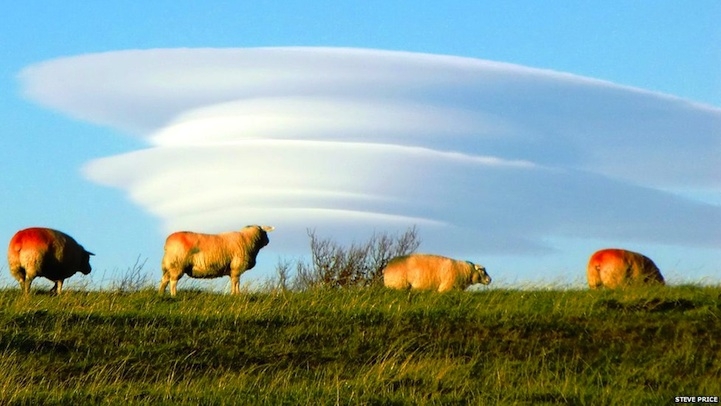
[593, 275]
[57, 288]
[174, 277]
[445, 287]
[25, 285]
[164, 283]
[235, 284]
[173, 287]
[170, 276]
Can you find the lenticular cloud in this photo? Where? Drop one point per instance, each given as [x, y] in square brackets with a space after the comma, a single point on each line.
[483, 156]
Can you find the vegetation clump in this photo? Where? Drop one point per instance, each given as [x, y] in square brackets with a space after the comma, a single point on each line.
[336, 266]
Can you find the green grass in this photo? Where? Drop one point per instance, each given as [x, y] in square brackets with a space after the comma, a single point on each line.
[370, 346]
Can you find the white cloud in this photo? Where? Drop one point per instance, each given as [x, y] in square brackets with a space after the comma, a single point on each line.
[311, 117]
[488, 157]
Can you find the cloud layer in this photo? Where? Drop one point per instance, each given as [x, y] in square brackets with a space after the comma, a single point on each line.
[484, 157]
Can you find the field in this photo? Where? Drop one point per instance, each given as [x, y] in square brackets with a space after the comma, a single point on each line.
[361, 346]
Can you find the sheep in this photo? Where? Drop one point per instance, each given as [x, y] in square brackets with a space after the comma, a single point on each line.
[211, 255]
[432, 272]
[614, 268]
[48, 253]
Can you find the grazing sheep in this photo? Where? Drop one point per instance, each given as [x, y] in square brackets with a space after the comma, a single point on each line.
[211, 255]
[48, 253]
[432, 272]
[614, 268]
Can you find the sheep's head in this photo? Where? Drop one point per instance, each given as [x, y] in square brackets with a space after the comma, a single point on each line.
[479, 275]
[262, 232]
[85, 264]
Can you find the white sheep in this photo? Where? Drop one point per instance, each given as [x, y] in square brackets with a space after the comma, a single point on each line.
[211, 255]
[432, 272]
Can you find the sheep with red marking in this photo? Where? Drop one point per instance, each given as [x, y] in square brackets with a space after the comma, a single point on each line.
[48, 253]
[615, 268]
[211, 255]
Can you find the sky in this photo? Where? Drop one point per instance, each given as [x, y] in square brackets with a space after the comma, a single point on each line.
[519, 135]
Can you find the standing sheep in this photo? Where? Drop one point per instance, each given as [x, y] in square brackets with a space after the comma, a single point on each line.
[614, 268]
[211, 255]
[48, 253]
[432, 272]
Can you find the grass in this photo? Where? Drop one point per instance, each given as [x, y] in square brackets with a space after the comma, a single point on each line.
[361, 346]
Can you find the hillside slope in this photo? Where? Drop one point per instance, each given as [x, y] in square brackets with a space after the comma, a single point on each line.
[369, 346]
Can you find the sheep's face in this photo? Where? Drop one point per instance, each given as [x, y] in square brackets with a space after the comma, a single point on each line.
[479, 275]
[85, 266]
[264, 238]
[263, 232]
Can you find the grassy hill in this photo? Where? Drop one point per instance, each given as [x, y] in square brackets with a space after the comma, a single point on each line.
[361, 346]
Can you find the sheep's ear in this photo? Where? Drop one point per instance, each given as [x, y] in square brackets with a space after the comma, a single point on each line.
[89, 253]
[267, 228]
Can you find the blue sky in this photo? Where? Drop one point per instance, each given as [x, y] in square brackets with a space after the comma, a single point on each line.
[660, 46]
